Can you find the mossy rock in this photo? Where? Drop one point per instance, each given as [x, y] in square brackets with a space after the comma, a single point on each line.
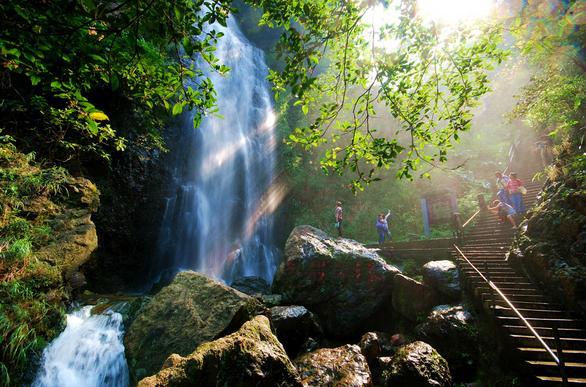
[192, 310]
[252, 356]
[417, 364]
[342, 366]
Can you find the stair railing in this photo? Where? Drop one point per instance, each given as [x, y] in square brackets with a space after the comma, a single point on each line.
[470, 220]
[492, 286]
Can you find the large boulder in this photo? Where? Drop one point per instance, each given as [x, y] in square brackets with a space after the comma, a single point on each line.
[342, 366]
[443, 276]
[293, 325]
[411, 298]
[191, 310]
[252, 356]
[451, 330]
[339, 279]
[416, 364]
[253, 286]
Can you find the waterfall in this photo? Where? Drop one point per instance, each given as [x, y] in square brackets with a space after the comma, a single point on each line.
[89, 352]
[217, 218]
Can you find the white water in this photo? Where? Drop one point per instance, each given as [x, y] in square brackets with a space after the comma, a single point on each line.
[218, 216]
[88, 353]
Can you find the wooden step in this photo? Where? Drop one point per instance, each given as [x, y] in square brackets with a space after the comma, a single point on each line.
[546, 331]
[545, 313]
[550, 368]
[565, 342]
[543, 322]
[539, 353]
[557, 379]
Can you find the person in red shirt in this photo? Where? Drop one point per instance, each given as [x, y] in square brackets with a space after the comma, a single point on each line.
[515, 186]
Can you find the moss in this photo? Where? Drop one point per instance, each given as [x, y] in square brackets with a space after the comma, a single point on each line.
[250, 356]
[33, 291]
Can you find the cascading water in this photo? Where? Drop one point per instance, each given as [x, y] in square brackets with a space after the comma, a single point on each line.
[218, 219]
[89, 352]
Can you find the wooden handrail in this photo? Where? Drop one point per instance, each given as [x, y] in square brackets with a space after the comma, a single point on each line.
[472, 217]
[527, 324]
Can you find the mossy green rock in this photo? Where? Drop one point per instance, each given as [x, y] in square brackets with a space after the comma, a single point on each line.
[192, 310]
[252, 356]
[417, 364]
[452, 331]
[340, 280]
[411, 298]
[342, 366]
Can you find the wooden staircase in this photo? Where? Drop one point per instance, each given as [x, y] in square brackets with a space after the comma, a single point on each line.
[485, 246]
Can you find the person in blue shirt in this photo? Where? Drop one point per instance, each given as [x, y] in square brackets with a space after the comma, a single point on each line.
[382, 227]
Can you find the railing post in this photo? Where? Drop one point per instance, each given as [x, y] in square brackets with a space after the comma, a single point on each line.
[491, 302]
[482, 203]
[457, 224]
[562, 364]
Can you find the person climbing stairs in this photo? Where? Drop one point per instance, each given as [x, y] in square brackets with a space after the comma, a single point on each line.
[548, 339]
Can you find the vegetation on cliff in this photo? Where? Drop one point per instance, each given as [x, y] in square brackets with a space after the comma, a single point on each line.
[45, 234]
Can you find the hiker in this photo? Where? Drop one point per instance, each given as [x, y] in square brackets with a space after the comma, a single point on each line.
[501, 183]
[503, 210]
[516, 190]
[339, 216]
[382, 227]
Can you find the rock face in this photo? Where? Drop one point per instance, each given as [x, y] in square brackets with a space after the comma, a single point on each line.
[293, 326]
[74, 232]
[451, 330]
[339, 279]
[193, 309]
[416, 364]
[443, 276]
[253, 286]
[342, 366]
[411, 298]
[252, 356]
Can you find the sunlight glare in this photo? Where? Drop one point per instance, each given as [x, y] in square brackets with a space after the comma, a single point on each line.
[268, 204]
[455, 11]
[216, 160]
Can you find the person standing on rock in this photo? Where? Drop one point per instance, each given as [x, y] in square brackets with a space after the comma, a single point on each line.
[516, 189]
[339, 216]
[382, 227]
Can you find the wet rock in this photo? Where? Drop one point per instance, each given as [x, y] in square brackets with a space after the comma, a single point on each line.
[370, 347]
[271, 300]
[191, 310]
[252, 356]
[342, 366]
[294, 325]
[451, 330]
[253, 286]
[338, 279]
[443, 276]
[411, 298]
[416, 364]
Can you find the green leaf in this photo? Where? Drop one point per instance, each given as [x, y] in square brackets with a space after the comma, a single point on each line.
[35, 79]
[92, 127]
[88, 5]
[177, 108]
